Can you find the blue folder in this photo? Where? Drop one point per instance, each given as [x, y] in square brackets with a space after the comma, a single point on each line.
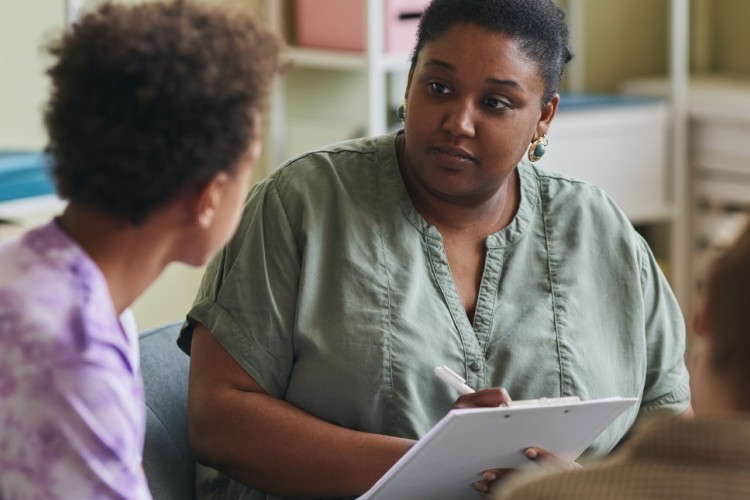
[24, 174]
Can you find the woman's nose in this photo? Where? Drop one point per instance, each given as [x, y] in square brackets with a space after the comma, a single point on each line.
[460, 119]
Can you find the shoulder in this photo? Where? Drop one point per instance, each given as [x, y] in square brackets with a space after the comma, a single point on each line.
[340, 178]
[336, 165]
[51, 293]
[566, 194]
[568, 205]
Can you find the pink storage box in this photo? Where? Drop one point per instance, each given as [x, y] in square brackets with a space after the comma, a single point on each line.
[340, 24]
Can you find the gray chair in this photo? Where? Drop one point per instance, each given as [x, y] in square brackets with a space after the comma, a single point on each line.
[167, 459]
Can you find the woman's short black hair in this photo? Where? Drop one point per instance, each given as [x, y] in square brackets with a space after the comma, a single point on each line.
[539, 25]
[152, 100]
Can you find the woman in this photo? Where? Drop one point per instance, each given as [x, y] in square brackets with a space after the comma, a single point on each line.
[153, 127]
[360, 267]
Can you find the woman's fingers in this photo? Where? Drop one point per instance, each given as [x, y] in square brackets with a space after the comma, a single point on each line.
[540, 455]
[490, 477]
[486, 398]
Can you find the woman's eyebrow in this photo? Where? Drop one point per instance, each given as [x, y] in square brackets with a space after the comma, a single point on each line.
[510, 83]
[494, 81]
[442, 64]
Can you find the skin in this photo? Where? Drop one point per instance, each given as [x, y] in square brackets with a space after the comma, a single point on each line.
[458, 161]
[189, 229]
[469, 120]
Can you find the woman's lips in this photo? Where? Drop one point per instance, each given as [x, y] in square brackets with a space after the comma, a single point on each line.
[452, 156]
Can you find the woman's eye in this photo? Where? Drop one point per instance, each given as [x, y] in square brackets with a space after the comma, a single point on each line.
[495, 103]
[438, 88]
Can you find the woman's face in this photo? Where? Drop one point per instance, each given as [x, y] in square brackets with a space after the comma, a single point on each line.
[473, 107]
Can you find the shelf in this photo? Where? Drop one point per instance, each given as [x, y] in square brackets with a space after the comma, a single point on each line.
[710, 97]
[381, 73]
[344, 61]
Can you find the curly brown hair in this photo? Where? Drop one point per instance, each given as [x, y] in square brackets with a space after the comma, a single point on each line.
[151, 100]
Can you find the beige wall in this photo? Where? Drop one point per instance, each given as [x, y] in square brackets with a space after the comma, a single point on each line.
[23, 88]
[730, 47]
[630, 38]
[24, 26]
[623, 39]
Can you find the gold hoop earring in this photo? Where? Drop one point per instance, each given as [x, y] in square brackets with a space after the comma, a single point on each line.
[538, 148]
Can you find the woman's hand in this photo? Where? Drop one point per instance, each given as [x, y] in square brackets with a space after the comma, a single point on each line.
[497, 396]
[543, 457]
[539, 456]
[489, 478]
[486, 398]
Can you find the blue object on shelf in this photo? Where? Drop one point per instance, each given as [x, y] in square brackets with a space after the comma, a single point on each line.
[574, 100]
[24, 174]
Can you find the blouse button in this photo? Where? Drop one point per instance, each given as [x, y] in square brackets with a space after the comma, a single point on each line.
[475, 366]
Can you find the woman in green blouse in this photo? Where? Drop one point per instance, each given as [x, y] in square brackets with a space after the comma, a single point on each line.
[360, 267]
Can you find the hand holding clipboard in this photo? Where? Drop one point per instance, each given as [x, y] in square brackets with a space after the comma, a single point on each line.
[452, 455]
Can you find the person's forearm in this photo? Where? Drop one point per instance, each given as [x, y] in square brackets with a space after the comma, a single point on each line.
[271, 445]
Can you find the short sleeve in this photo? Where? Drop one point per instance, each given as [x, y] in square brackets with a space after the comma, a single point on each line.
[667, 387]
[248, 295]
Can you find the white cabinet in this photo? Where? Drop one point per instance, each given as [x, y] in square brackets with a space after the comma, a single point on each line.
[620, 146]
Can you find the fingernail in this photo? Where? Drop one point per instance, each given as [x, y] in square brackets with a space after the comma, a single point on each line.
[531, 453]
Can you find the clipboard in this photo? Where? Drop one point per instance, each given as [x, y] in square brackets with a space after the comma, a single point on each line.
[466, 442]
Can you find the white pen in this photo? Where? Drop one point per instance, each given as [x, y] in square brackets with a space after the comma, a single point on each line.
[453, 379]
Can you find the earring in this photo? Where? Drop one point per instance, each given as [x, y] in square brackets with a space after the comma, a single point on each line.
[538, 148]
[401, 111]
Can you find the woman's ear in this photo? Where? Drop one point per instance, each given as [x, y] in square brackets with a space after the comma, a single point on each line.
[208, 200]
[547, 115]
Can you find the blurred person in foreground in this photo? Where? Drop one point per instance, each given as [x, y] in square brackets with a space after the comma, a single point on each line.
[700, 459]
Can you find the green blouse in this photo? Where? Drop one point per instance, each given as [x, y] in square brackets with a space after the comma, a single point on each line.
[336, 296]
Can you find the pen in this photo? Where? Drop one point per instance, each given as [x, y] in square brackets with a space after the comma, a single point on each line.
[453, 379]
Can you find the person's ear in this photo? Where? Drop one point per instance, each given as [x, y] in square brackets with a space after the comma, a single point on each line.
[209, 198]
[701, 319]
[547, 115]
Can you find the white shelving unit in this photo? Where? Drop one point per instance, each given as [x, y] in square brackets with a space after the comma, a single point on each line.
[712, 126]
[718, 165]
[374, 63]
[670, 210]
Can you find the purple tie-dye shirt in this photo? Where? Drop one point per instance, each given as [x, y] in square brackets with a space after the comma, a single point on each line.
[72, 418]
